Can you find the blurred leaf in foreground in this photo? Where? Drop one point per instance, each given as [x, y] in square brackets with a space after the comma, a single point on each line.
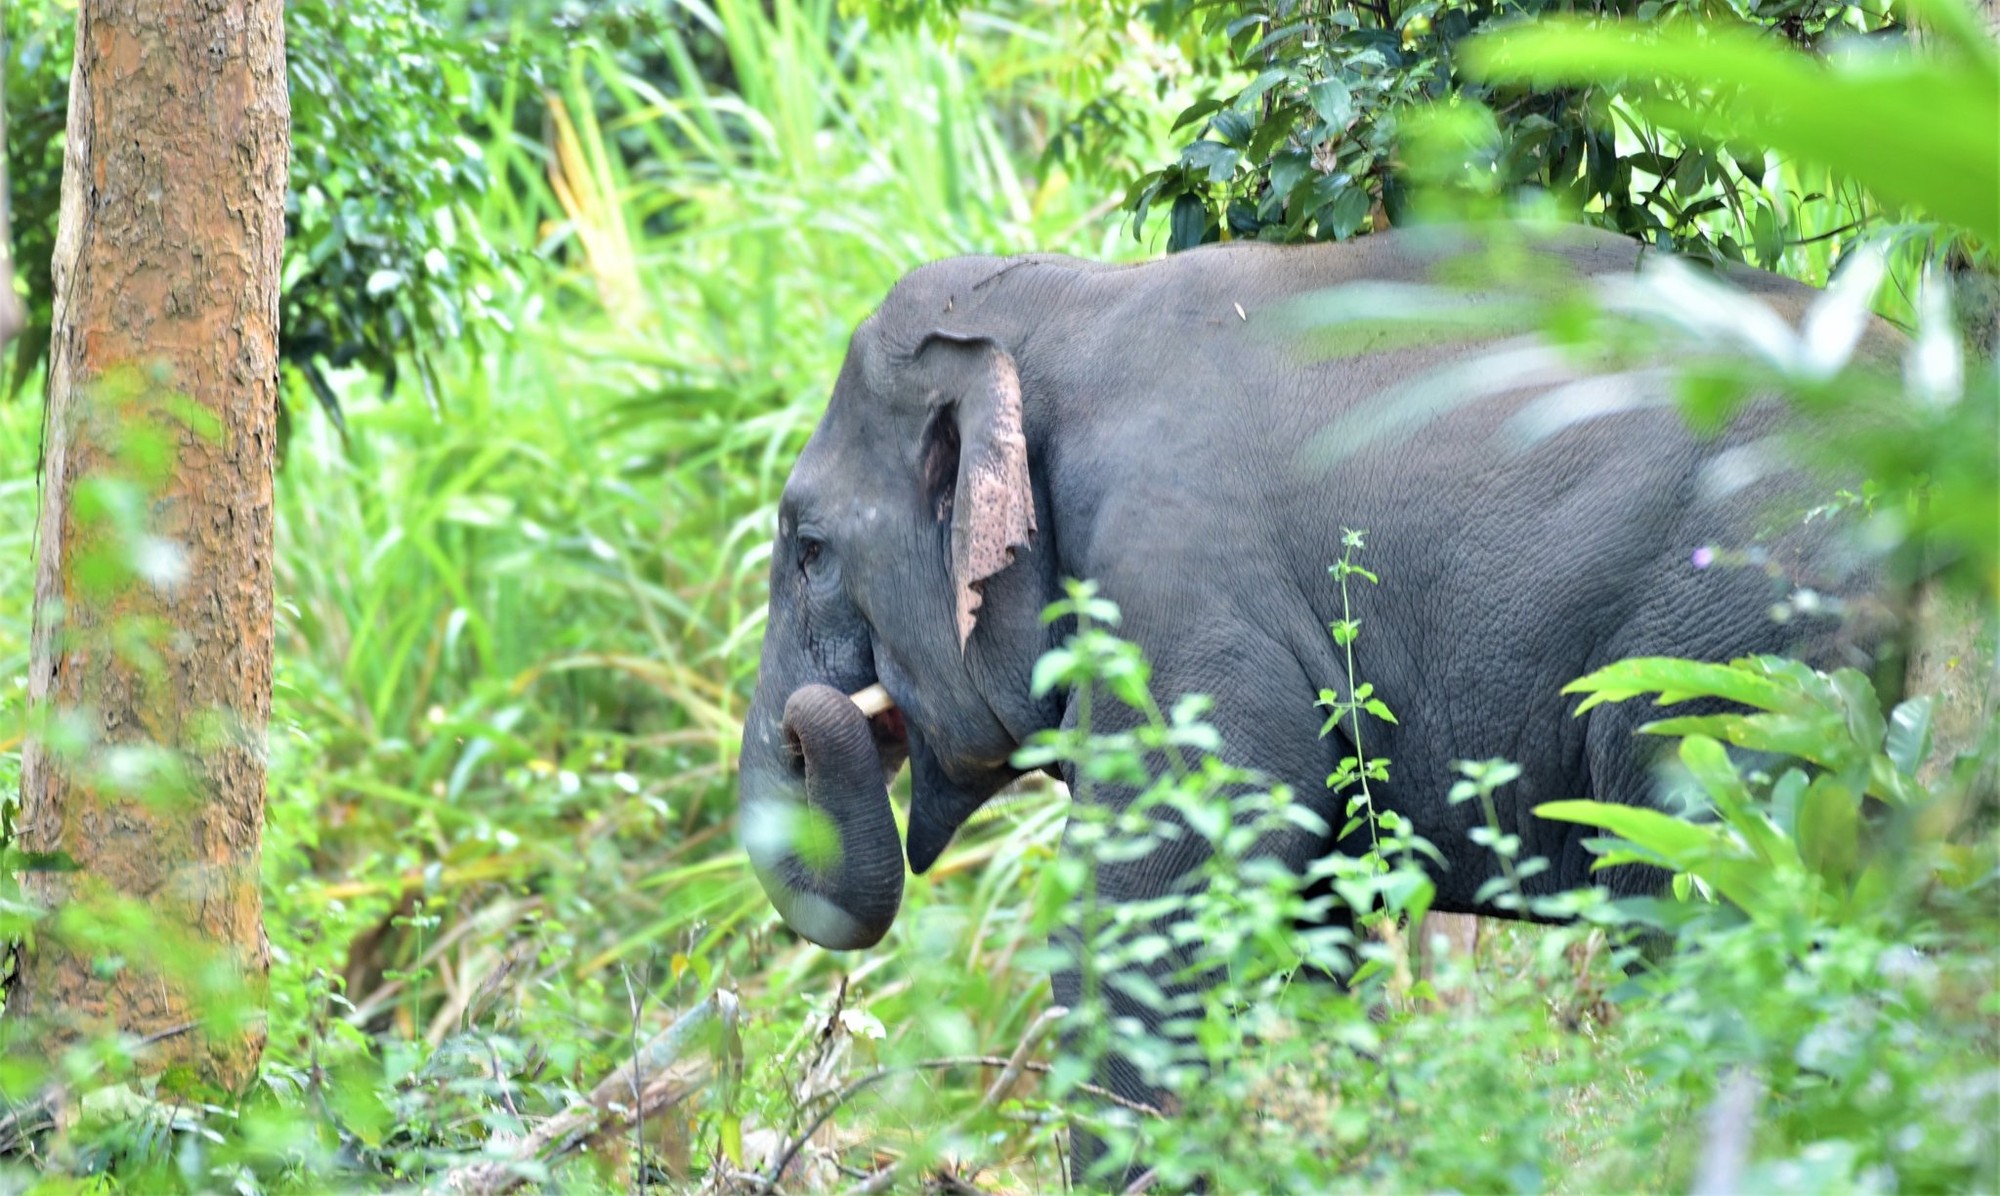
[1917, 130]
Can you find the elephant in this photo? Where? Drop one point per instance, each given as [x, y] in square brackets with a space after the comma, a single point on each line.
[1001, 424]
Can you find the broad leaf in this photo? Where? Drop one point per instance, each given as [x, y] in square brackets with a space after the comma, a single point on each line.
[1678, 680]
[1672, 838]
[1908, 742]
[1708, 763]
[1829, 834]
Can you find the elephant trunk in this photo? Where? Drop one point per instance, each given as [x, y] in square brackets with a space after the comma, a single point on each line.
[817, 823]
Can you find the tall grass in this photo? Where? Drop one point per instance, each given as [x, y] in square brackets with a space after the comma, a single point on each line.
[516, 633]
[516, 636]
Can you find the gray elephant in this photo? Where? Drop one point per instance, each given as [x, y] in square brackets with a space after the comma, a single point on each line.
[1001, 424]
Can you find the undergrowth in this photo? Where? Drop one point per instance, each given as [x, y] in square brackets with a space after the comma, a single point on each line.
[515, 639]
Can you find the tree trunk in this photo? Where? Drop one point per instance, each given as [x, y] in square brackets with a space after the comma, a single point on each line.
[150, 672]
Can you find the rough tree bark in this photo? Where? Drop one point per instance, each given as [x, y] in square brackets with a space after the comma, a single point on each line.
[163, 381]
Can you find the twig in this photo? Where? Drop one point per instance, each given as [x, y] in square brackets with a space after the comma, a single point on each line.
[638, 1006]
[878, 1182]
[582, 1122]
[1011, 1074]
[500, 1079]
[948, 1063]
[846, 1093]
[1144, 1183]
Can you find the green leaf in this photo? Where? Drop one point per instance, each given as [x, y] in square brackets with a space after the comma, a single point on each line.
[1669, 837]
[1217, 159]
[1860, 708]
[732, 1137]
[1053, 669]
[1745, 883]
[1258, 86]
[1829, 832]
[1675, 680]
[1195, 111]
[1908, 742]
[1784, 801]
[1709, 764]
[1342, 219]
[1187, 223]
[1913, 130]
[1817, 739]
[1333, 102]
[1288, 170]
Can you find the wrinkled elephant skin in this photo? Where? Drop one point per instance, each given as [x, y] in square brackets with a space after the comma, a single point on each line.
[1001, 424]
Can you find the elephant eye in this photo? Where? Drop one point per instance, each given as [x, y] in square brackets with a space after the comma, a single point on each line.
[809, 550]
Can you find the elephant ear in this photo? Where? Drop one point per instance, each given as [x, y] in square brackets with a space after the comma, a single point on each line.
[976, 464]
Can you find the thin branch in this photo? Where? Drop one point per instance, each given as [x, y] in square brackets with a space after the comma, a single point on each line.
[1011, 1074]
[1831, 233]
[1144, 1183]
[587, 1121]
[637, 1003]
[846, 1093]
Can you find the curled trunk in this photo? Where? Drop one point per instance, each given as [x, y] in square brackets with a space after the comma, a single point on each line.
[817, 824]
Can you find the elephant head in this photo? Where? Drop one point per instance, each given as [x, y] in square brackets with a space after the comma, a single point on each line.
[907, 556]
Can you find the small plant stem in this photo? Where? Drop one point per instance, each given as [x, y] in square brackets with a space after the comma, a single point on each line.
[1354, 710]
[1506, 858]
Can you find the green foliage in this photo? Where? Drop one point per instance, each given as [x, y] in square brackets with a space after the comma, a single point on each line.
[1483, 778]
[1302, 132]
[37, 41]
[515, 645]
[1830, 968]
[1829, 896]
[1775, 134]
[385, 259]
[516, 636]
[1911, 130]
[1386, 884]
[1277, 1072]
[1849, 835]
[1922, 439]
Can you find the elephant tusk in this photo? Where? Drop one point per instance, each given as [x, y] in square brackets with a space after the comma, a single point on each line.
[873, 701]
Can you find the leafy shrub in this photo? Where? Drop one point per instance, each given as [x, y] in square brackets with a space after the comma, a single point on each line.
[385, 258]
[1831, 900]
[512, 634]
[1830, 989]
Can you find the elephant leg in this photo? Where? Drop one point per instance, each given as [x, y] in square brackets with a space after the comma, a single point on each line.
[1144, 993]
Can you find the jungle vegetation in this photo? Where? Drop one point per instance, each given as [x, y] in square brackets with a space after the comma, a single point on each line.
[562, 293]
